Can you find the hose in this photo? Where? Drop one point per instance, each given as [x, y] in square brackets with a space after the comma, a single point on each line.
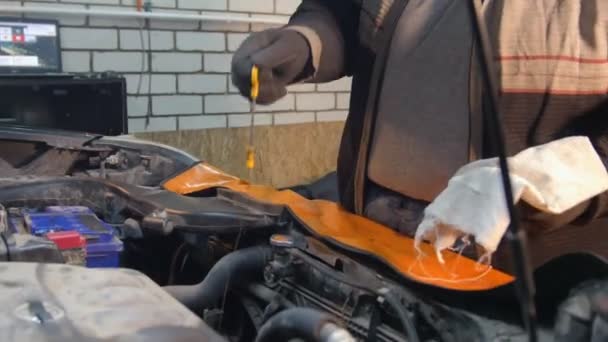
[268, 295]
[406, 322]
[238, 267]
[302, 323]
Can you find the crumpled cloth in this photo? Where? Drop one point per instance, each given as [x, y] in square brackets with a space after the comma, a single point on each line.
[552, 178]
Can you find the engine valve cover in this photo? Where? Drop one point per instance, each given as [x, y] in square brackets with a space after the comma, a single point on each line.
[54, 302]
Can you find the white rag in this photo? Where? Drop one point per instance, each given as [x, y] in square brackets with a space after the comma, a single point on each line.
[552, 178]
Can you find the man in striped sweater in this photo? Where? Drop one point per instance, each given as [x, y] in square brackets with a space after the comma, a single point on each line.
[417, 106]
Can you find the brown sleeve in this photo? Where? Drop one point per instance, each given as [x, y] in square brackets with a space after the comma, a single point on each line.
[330, 27]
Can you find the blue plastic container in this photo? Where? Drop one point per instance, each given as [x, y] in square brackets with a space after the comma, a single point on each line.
[103, 247]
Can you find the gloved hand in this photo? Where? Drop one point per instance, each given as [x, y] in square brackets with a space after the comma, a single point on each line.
[282, 57]
[552, 178]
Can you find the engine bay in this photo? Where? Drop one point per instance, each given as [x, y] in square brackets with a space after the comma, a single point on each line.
[234, 283]
[231, 267]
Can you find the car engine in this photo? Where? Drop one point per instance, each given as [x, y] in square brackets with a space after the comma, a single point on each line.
[95, 248]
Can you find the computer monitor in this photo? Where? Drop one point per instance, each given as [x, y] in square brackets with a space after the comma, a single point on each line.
[29, 46]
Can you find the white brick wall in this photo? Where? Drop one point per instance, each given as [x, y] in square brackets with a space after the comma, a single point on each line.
[177, 104]
[161, 84]
[85, 38]
[313, 101]
[113, 22]
[342, 84]
[343, 100]
[336, 115]
[244, 120]
[286, 6]
[284, 104]
[64, 19]
[119, 61]
[201, 41]
[219, 5]
[188, 81]
[95, 2]
[160, 40]
[137, 125]
[157, 3]
[76, 61]
[231, 88]
[175, 24]
[202, 84]
[257, 6]
[224, 26]
[137, 105]
[218, 62]
[176, 62]
[221, 104]
[235, 40]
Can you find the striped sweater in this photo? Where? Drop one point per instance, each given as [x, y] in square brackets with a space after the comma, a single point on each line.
[552, 58]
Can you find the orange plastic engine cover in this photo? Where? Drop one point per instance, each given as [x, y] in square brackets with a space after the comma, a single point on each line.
[330, 221]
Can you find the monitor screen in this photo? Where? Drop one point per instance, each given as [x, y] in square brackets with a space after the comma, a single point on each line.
[29, 46]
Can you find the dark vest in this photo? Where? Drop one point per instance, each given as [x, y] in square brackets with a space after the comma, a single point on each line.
[422, 132]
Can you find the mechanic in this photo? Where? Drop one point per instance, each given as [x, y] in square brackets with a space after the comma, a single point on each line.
[416, 109]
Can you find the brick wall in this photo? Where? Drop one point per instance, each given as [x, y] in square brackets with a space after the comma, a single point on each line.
[190, 84]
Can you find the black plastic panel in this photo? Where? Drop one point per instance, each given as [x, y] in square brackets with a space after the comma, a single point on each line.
[212, 215]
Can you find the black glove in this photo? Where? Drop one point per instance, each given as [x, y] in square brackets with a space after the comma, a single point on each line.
[282, 57]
